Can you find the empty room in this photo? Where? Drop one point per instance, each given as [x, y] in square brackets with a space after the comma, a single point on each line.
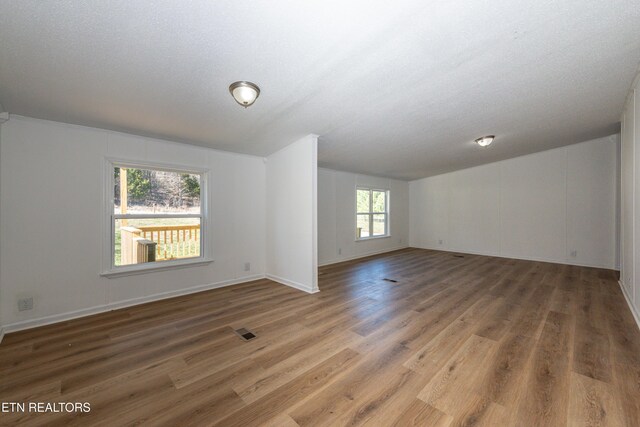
[319, 213]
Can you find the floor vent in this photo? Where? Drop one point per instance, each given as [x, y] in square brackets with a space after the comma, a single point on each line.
[459, 256]
[245, 334]
[390, 280]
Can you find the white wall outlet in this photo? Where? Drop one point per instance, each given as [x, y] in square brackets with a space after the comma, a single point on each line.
[400, 241]
[439, 242]
[25, 304]
[339, 251]
[247, 266]
[574, 253]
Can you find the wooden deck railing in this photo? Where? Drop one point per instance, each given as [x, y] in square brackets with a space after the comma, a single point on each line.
[172, 241]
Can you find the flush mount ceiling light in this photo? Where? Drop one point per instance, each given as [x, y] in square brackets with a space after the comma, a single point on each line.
[485, 140]
[245, 93]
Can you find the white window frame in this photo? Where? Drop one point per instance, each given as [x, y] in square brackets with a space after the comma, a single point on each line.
[387, 222]
[109, 269]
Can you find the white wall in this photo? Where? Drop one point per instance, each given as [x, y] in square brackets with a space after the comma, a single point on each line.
[630, 194]
[541, 206]
[1, 319]
[337, 219]
[50, 220]
[292, 257]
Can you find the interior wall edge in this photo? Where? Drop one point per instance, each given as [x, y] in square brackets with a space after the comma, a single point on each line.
[44, 157]
[148, 138]
[336, 206]
[523, 258]
[368, 254]
[555, 206]
[632, 306]
[1, 327]
[612, 137]
[61, 317]
[292, 284]
[291, 217]
[634, 84]
[327, 169]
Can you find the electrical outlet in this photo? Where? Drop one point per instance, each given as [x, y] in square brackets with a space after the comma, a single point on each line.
[339, 251]
[400, 241]
[439, 242]
[25, 304]
[247, 266]
[574, 253]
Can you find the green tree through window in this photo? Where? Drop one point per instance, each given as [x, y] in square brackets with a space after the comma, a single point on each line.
[371, 213]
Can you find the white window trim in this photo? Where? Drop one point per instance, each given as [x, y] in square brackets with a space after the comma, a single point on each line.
[387, 206]
[108, 217]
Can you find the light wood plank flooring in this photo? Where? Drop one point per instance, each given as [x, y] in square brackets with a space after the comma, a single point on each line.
[455, 340]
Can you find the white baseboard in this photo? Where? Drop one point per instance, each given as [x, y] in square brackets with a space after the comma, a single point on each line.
[632, 307]
[292, 284]
[351, 258]
[46, 320]
[1, 334]
[537, 259]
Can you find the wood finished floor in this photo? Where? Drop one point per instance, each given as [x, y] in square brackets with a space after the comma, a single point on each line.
[455, 341]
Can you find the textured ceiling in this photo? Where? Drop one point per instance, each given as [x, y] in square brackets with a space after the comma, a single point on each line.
[398, 88]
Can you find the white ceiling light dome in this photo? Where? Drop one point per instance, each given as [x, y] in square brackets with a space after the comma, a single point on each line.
[245, 93]
[484, 141]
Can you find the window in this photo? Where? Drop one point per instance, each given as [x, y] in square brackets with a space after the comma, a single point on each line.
[156, 217]
[372, 213]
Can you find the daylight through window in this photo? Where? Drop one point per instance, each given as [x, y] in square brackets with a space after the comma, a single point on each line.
[157, 215]
[372, 213]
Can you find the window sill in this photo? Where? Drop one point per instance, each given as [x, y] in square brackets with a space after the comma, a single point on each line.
[165, 265]
[364, 239]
